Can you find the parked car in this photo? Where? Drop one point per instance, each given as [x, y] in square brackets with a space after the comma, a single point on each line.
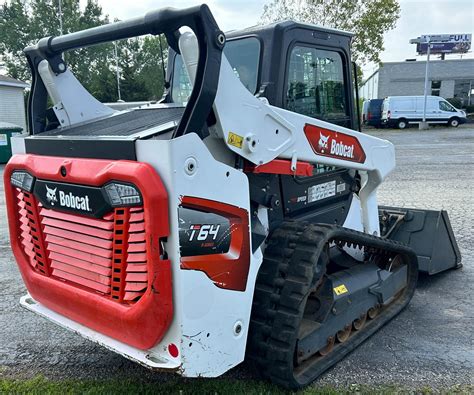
[372, 113]
[401, 111]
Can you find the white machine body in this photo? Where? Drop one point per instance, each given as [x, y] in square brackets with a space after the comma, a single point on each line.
[210, 324]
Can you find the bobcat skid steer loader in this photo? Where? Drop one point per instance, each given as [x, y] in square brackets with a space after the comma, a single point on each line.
[237, 217]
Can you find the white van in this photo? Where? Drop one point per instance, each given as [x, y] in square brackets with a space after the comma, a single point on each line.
[400, 111]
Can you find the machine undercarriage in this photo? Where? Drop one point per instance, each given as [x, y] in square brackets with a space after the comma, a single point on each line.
[189, 234]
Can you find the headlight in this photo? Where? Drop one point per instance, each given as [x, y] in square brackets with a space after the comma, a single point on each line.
[22, 180]
[122, 194]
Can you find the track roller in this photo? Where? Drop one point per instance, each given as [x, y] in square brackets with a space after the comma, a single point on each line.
[344, 334]
[329, 346]
[359, 323]
[373, 312]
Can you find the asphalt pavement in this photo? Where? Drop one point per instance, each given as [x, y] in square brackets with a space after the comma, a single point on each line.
[431, 343]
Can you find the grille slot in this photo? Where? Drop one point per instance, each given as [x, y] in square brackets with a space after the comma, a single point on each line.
[107, 255]
[31, 235]
[136, 280]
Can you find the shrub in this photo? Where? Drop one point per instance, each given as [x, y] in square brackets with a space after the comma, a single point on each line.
[470, 109]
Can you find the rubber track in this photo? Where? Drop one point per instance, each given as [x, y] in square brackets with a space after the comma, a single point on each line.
[289, 273]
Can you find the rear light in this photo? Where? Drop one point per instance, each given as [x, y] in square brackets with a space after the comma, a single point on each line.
[388, 114]
[121, 195]
[22, 180]
[369, 115]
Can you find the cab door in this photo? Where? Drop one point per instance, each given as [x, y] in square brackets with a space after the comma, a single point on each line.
[445, 110]
[316, 85]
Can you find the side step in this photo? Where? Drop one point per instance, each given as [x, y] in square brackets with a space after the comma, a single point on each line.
[427, 232]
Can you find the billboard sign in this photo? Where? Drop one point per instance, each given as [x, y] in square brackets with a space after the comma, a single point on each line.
[444, 43]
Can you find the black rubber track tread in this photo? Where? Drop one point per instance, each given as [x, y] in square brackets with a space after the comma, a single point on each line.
[290, 270]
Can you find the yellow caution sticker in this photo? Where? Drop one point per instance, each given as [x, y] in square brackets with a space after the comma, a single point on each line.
[235, 140]
[340, 289]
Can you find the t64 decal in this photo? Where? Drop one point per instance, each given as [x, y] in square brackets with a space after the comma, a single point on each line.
[215, 239]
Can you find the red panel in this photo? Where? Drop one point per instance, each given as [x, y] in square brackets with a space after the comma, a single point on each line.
[137, 217]
[141, 324]
[85, 256]
[136, 267]
[78, 246]
[134, 257]
[96, 223]
[136, 237]
[86, 230]
[136, 247]
[282, 166]
[137, 227]
[104, 288]
[334, 144]
[229, 270]
[103, 270]
[81, 238]
[77, 271]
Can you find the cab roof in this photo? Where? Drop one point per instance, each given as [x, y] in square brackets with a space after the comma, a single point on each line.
[285, 25]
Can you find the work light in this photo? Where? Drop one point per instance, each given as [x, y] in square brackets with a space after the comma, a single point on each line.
[122, 194]
[22, 180]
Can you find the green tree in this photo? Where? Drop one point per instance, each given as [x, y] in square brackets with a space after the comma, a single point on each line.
[150, 60]
[368, 19]
[24, 22]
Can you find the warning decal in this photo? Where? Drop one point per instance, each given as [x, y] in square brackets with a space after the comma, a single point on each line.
[235, 140]
[340, 289]
[3, 139]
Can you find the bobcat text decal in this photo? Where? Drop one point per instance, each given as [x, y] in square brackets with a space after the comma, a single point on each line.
[67, 199]
[334, 144]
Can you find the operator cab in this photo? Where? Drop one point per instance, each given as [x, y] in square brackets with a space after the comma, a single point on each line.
[304, 69]
[295, 66]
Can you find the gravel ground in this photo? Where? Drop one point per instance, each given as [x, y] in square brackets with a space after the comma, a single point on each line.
[430, 344]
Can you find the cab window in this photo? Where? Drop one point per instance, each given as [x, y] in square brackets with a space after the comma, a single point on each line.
[444, 106]
[315, 84]
[242, 54]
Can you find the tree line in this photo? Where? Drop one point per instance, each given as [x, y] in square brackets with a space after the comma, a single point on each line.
[23, 22]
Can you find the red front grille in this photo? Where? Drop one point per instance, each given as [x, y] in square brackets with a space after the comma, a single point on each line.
[106, 255]
[109, 274]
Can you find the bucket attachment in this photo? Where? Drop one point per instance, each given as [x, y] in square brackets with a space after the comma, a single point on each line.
[427, 232]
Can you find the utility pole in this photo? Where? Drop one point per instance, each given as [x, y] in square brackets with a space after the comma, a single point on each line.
[424, 125]
[424, 40]
[117, 73]
[60, 17]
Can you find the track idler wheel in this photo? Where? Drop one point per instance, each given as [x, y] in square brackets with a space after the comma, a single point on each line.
[329, 346]
[359, 323]
[344, 334]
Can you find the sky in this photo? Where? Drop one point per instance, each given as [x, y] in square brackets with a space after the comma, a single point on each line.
[417, 17]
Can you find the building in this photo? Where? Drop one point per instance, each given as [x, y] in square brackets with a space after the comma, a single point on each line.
[12, 102]
[448, 78]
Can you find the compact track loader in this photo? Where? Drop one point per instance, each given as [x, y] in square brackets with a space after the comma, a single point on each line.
[236, 217]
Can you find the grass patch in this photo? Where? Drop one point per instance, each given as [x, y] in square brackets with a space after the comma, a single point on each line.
[40, 385]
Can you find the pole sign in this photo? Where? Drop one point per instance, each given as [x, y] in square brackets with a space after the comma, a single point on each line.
[444, 43]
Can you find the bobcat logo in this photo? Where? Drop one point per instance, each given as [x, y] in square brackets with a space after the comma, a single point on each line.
[51, 195]
[323, 140]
